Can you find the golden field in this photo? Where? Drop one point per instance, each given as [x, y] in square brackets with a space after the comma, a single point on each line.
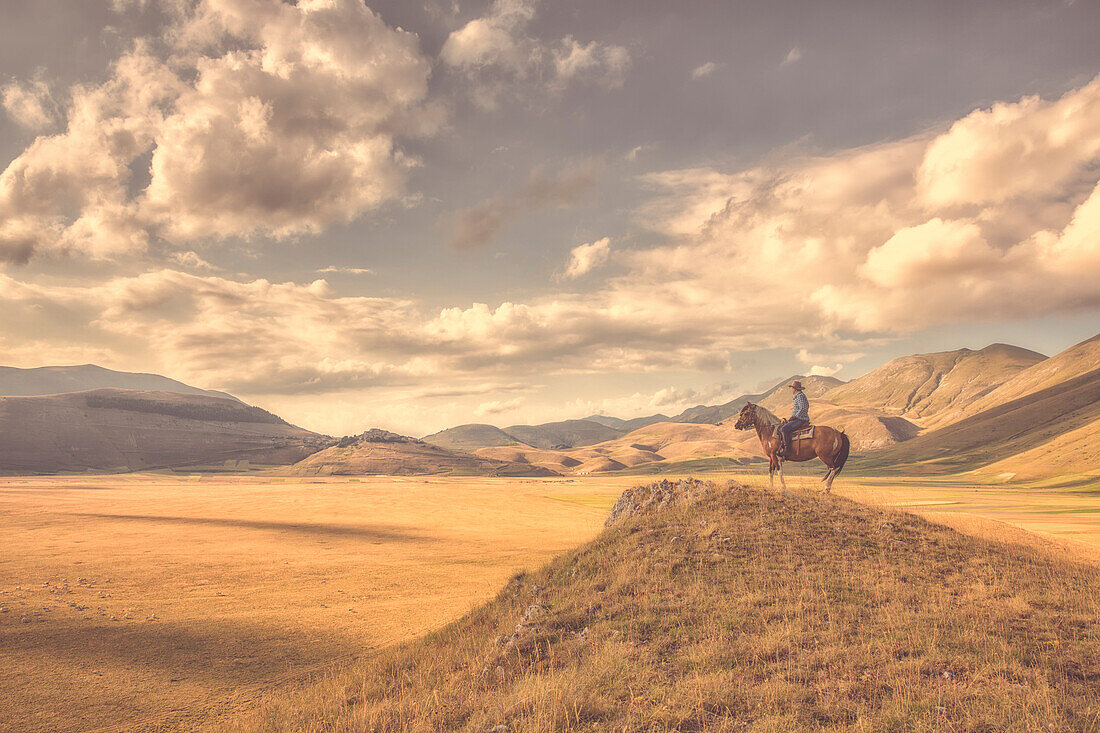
[160, 602]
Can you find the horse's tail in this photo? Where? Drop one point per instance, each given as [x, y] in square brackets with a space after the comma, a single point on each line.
[842, 454]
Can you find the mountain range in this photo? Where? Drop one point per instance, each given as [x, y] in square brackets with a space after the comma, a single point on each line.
[1002, 411]
[15, 382]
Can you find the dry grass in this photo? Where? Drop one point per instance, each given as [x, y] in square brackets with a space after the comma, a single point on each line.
[172, 602]
[749, 611]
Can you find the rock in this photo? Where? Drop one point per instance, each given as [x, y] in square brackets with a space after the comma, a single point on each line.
[639, 500]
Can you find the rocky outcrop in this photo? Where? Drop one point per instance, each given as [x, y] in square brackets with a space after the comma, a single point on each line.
[650, 498]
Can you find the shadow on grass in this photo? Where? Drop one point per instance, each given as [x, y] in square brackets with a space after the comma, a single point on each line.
[376, 533]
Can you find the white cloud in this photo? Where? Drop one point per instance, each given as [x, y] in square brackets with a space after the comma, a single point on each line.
[815, 254]
[603, 63]
[587, 257]
[1031, 149]
[290, 130]
[824, 371]
[346, 270]
[496, 53]
[793, 57]
[703, 70]
[192, 260]
[30, 104]
[497, 407]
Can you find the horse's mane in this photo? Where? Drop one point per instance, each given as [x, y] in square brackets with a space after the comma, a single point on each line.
[765, 417]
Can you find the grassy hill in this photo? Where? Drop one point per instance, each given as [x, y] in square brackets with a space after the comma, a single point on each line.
[564, 434]
[999, 433]
[664, 446]
[746, 610]
[777, 399]
[378, 452]
[553, 435]
[470, 437]
[922, 386]
[15, 382]
[131, 430]
[1073, 362]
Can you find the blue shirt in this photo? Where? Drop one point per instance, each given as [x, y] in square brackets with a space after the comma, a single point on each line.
[801, 409]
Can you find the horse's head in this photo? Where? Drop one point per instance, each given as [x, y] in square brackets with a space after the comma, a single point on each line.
[747, 417]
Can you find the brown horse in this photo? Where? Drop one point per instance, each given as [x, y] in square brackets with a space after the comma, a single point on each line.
[830, 445]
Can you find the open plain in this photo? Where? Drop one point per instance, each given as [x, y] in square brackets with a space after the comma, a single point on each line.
[166, 602]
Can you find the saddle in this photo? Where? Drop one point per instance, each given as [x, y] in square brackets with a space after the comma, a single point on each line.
[806, 432]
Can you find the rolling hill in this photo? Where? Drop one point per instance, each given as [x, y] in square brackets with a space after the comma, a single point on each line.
[132, 430]
[597, 429]
[776, 399]
[921, 386]
[470, 437]
[552, 435]
[725, 608]
[15, 382]
[564, 434]
[666, 444]
[1078, 359]
[626, 426]
[1000, 433]
[380, 452]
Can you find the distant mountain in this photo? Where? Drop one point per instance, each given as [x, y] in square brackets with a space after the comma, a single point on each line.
[470, 437]
[15, 382]
[1072, 362]
[777, 399]
[627, 425]
[565, 434]
[780, 398]
[606, 421]
[601, 428]
[1063, 415]
[663, 446]
[382, 453]
[132, 430]
[922, 386]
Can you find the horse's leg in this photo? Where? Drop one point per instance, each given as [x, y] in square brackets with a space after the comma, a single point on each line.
[782, 481]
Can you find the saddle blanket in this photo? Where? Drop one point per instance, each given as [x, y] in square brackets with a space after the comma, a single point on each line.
[806, 432]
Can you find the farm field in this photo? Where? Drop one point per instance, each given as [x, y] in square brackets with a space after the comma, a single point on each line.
[152, 601]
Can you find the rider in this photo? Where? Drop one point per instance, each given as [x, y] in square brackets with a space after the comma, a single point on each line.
[800, 418]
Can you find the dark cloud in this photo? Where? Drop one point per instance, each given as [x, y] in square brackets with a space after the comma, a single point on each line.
[477, 226]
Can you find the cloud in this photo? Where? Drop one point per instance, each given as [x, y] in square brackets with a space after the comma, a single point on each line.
[793, 57]
[495, 53]
[346, 270]
[878, 243]
[816, 254]
[824, 371]
[1032, 149]
[496, 407]
[478, 225]
[30, 104]
[249, 118]
[605, 64]
[192, 260]
[808, 357]
[703, 70]
[586, 257]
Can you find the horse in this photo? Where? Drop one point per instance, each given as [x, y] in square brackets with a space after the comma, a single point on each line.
[830, 445]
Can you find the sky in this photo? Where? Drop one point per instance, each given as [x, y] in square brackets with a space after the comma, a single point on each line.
[413, 214]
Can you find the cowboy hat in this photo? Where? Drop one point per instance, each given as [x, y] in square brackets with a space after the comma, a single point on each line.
[796, 385]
